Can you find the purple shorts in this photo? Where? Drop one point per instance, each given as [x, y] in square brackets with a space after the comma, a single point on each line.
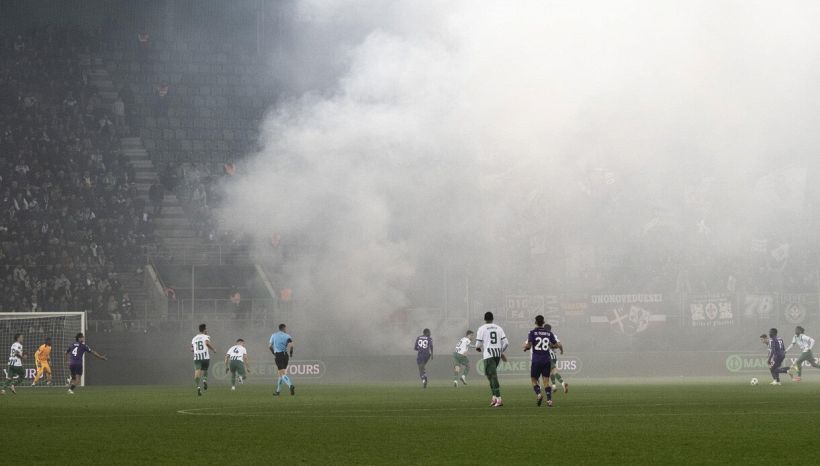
[76, 370]
[540, 367]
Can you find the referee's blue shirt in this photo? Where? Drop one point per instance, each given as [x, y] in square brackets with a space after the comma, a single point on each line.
[279, 341]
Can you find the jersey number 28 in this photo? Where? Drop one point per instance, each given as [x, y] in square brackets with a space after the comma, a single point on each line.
[542, 344]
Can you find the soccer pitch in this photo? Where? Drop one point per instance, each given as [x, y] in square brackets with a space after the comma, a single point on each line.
[704, 422]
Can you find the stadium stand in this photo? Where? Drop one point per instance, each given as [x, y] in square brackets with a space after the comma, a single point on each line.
[196, 108]
[73, 228]
[115, 148]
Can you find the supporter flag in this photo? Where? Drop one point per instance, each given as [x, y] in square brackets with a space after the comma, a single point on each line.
[759, 309]
[709, 311]
[798, 308]
[627, 314]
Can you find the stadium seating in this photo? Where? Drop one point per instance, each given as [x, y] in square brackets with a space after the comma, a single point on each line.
[214, 100]
[72, 227]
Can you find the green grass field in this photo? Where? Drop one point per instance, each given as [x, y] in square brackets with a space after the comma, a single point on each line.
[695, 422]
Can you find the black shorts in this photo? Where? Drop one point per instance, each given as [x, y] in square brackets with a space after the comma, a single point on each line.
[202, 364]
[76, 370]
[281, 360]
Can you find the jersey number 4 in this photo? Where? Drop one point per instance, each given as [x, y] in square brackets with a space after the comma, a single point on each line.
[74, 351]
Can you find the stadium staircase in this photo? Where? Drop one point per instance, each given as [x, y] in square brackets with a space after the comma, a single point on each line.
[173, 230]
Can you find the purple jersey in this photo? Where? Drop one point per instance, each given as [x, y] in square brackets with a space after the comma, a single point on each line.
[75, 353]
[777, 349]
[424, 345]
[540, 341]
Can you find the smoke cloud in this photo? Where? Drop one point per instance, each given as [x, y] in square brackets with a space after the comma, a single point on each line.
[441, 143]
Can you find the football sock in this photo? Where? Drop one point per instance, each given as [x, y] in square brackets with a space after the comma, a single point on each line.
[465, 371]
[549, 392]
[537, 389]
[278, 383]
[71, 387]
[559, 378]
[286, 379]
[233, 378]
[196, 379]
[495, 386]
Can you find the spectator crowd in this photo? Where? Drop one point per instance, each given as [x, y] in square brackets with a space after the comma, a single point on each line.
[70, 216]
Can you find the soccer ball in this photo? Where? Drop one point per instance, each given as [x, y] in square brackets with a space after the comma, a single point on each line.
[753, 381]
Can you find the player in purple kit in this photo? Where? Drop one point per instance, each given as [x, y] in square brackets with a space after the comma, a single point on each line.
[424, 348]
[74, 356]
[539, 341]
[777, 353]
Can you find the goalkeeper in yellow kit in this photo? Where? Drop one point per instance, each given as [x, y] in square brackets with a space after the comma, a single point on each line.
[42, 358]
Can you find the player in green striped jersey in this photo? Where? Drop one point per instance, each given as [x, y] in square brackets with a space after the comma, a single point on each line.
[491, 340]
[460, 361]
[805, 343]
[236, 361]
[14, 372]
[200, 345]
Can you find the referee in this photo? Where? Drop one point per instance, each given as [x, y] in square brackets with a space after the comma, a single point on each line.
[281, 345]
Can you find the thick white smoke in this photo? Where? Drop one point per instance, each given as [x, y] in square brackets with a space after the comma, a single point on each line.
[456, 128]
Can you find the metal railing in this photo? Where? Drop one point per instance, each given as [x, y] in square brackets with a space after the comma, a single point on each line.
[225, 309]
[182, 316]
[212, 254]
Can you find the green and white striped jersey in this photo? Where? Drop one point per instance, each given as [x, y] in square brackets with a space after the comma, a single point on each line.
[199, 347]
[492, 339]
[805, 342]
[463, 346]
[237, 353]
[14, 359]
